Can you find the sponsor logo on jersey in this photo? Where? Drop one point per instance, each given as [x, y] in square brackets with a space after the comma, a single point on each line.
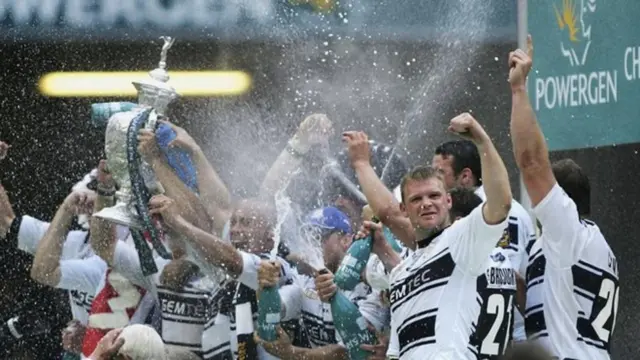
[505, 239]
[183, 308]
[418, 279]
[501, 278]
[82, 299]
[319, 333]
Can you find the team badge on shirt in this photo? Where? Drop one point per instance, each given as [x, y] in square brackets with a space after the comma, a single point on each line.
[505, 239]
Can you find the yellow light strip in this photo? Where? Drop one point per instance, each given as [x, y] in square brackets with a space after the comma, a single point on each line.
[118, 84]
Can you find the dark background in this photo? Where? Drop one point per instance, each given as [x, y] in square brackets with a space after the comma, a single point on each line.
[366, 86]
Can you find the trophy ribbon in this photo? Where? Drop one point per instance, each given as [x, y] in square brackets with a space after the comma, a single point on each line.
[141, 197]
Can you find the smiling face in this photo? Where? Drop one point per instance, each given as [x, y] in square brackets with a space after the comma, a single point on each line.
[425, 201]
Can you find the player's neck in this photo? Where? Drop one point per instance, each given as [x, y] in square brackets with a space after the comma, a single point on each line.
[425, 236]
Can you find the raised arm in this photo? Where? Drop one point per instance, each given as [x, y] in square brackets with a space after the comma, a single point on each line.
[191, 207]
[494, 174]
[315, 129]
[214, 194]
[380, 199]
[213, 249]
[46, 263]
[529, 146]
[102, 234]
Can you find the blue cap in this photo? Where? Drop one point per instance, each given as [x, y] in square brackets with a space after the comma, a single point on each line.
[329, 218]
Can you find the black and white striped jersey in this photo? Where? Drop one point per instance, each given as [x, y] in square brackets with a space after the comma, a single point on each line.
[496, 294]
[217, 335]
[434, 291]
[184, 312]
[301, 301]
[518, 238]
[572, 283]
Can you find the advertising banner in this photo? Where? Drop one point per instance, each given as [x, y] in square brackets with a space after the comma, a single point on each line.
[585, 82]
[122, 20]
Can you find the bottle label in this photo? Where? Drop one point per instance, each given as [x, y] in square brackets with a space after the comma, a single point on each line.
[362, 323]
[273, 318]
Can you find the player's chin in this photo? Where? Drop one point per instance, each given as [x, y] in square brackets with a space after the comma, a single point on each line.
[429, 222]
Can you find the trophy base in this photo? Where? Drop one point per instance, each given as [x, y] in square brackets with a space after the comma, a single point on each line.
[120, 215]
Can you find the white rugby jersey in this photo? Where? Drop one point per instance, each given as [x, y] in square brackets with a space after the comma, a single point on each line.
[183, 311]
[83, 278]
[301, 301]
[76, 246]
[496, 295]
[244, 313]
[516, 242]
[572, 283]
[433, 292]
[217, 336]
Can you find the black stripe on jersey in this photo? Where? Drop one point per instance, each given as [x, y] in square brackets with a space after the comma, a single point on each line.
[433, 274]
[416, 330]
[601, 289]
[220, 352]
[194, 348]
[536, 269]
[530, 241]
[534, 323]
[185, 291]
[179, 320]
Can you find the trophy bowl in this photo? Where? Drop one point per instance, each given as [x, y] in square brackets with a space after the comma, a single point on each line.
[123, 212]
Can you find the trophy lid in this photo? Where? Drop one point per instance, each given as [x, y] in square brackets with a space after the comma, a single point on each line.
[157, 90]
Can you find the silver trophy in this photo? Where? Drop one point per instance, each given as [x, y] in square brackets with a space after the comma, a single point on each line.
[153, 93]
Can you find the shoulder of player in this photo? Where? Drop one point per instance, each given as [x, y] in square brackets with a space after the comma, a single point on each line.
[519, 213]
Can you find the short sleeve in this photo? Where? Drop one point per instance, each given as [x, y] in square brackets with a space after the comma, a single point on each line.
[76, 244]
[472, 240]
[373, 311]
[250, 265]
[127, 263]
[291, 297]
[561, 225]
[31, 232]
[82, 274]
